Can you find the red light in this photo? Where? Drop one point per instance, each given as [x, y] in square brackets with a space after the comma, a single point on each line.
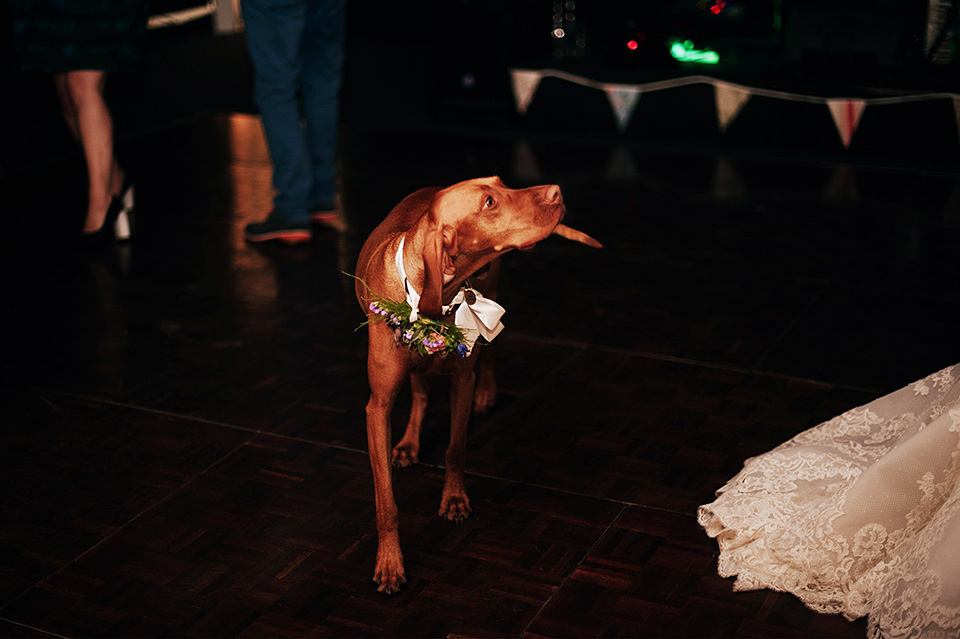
[632, 45]
[718, 7]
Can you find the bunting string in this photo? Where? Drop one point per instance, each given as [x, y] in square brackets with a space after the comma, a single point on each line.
[730, 98]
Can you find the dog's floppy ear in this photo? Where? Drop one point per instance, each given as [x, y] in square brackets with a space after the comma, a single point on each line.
[439, 249]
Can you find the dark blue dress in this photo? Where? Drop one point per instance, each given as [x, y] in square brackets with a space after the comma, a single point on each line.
[69, 35]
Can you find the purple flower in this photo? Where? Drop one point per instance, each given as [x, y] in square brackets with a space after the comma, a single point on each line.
[434, 343]
[462, 349]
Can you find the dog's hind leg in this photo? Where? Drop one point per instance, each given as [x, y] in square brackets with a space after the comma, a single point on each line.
[485, 394]
[454, 505]
[406, 453]
[486, 388]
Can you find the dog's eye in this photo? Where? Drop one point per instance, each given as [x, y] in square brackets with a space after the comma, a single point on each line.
[489, 202]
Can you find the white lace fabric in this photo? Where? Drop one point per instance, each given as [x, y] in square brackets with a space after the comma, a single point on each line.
[859, 515]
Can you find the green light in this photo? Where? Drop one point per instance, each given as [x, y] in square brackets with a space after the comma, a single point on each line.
[684, 52]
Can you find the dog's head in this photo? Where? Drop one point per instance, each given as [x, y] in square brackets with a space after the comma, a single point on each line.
[473, 222]
[488, 217]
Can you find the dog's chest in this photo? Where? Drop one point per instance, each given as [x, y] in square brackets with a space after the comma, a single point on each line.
[437, 365]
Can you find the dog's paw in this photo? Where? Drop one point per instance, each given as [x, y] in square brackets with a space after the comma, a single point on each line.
[485, 393]
[455, 507]
[405, 455]
[484, 399]
[389, 574]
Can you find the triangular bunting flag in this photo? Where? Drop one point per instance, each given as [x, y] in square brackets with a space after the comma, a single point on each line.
[730, 100]
[525, 166]
[952, 215]
[841, 190]
[621, 167]
[956, 113]
[623, 98]
[727, 184]
[846, 115]
[525, 84]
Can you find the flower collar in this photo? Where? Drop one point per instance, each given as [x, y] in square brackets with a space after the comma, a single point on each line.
[475, 317]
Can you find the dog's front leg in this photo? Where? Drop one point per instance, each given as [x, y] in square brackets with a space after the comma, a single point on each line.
[454, 505]
[386, 373]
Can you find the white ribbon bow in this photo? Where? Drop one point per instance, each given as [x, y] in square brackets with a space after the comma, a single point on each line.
[476, 315]
[413, 298]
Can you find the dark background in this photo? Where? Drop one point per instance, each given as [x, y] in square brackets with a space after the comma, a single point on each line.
[182, 447]
[445, 63]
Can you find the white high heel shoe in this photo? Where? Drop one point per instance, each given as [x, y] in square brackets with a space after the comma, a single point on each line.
[121, 227]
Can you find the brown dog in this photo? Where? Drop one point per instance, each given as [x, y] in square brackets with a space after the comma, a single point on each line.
[437, 238]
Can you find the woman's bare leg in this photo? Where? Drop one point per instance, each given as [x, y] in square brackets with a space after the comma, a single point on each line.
[88, 117]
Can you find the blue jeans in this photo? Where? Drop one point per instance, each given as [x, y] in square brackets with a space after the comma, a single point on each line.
[297, 52]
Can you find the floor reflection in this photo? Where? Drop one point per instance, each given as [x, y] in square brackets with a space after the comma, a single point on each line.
[185, 413]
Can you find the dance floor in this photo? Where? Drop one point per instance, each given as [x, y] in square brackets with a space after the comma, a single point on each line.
[183, 448]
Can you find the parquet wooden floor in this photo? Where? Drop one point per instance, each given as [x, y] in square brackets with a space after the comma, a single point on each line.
[182, 451]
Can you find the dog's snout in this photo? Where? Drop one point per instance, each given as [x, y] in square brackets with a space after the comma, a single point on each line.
[548, 205]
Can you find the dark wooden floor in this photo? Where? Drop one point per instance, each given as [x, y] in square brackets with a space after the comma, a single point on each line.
[183, 448]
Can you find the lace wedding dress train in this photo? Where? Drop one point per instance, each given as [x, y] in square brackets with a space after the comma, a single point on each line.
[859, 515]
